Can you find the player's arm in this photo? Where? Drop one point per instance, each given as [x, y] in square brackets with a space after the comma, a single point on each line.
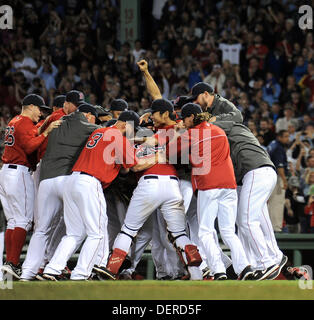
[31, 142]
[228, 112]
[42, 128]
[146, 163]
[151, 85]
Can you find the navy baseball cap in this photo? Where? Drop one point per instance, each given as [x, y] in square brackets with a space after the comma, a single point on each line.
[86, 107]
[189, 109]
[58, 101]
[118, 105]
[161, 105]
[130, 115]
[101, 111]
[200, 88]
[34, 99]
[75, 97]
[180, 101]
[111, 122]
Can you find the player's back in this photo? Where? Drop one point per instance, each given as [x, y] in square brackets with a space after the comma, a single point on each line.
[64, 145]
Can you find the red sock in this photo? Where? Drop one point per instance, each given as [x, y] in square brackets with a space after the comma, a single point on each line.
[116, 260]
[18, 240]
[8, 243]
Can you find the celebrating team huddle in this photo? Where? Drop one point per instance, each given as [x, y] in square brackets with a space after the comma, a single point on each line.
[106, 184]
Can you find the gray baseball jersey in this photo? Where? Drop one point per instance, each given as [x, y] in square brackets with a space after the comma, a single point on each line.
[65, 144]
[245, 150]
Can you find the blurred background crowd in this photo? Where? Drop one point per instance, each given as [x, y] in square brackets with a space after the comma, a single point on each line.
[252, 52]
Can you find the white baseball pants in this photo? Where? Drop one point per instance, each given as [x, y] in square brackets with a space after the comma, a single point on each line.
[1, 253]
[49, 206]
[220, 203]
[84, 215]
[17, 196]
[257, 187]
[163, 192]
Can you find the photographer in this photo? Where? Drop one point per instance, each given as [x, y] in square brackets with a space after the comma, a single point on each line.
[47, 72]
[294, 206]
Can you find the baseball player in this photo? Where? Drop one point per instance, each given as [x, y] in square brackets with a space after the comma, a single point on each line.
[159, 186]
[103, 116]
[2, 229]
[117, 106]
[105, 153]
[62, 151]
[213, 178]
[256, 178]
[58, 102]
[220, 108]
[22, 138]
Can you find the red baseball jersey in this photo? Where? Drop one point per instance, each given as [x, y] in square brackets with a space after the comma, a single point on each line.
[104, 154]
[207, 149]
[21, 139]
[58, 114]
[163, 135]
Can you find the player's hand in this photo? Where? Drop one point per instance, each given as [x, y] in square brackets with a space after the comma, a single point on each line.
[179, 126]
[143, 65]
[212, 119]
[145, 117]
[52, 126]
[285, 185]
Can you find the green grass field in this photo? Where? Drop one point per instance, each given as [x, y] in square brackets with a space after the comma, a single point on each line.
[158, 290]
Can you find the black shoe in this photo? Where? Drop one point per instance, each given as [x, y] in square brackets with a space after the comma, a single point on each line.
[246, 274]
[231, 273]
[12, 269]
[265, 274]
[282, 263]
[104, 273]
[54, 277]
[220, 276]
[206, 273]
[126, 264]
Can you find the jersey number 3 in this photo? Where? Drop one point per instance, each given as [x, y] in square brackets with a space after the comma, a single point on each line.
[94, 140]
[9, 137]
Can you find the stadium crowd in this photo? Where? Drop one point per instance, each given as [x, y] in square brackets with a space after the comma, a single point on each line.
[251, 52]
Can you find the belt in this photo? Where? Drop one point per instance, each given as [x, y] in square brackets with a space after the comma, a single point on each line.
[156, 177]
[86, 173]
[14, 166]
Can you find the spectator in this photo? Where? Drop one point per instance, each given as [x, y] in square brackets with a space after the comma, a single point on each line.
[282, 123]
[294, 205]
[271, 89]
[309, 209]
[47, 72]
[216, 79]
[266, 132]
[258, 50]
[277, 152]
[27, 65]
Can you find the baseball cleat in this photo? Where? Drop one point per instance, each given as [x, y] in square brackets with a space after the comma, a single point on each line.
[246, 274]
[206, 273]
[104, 273]
[54, 277]
[265, 274]
[39, 277]
[275, 274]
[24, 280]
[220, 276]
[14, 270]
